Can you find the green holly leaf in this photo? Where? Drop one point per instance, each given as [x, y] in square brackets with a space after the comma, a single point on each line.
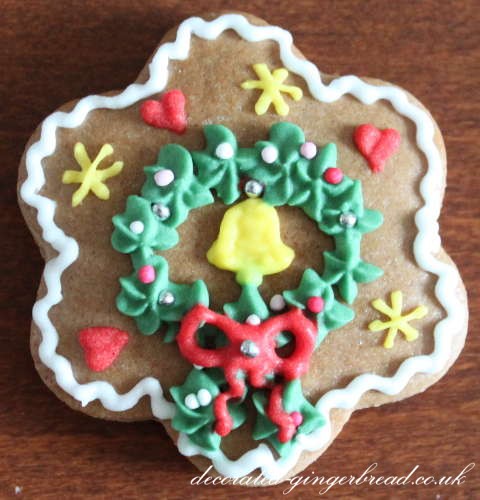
[347, 287]
[238, 413]
[136, 298]
[149, 321]
[334, 267]
[198, 423]
[131, 298]
[267, 173]
[186, 297]
[285, 139]
[311, 285]
[206, 438]
[299, 195]
[250, 302]
[334, 315]
[283, 339]
[309, 181]
[142, 300]
[246, 159]
[293, 401]
[216, 135]
[197, 195]
[264, 427]
[170, 157]
[337, 316]
[349, 202]
[347, 270]
[184, 193]
[190, 420]
[138, 227]
[365, 272]
[371, 220]
[325, 158]
[220, 162]
[301, 182]
[173, 328]
[312, 205]
[227, 188]
[280, 192]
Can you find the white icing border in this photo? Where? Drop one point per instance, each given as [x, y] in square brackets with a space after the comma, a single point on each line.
[426, 244]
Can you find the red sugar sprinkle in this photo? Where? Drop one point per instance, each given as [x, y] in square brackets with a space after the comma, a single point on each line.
[146, 274]
[297, 418]
[315, 304]
[333, 175]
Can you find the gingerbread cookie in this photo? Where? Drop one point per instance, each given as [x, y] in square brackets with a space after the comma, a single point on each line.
[254, 250]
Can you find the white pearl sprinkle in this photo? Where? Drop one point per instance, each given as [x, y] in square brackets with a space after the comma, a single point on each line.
[308, 150]
[277, 303]
[164, 177]
[224, 151]
[269, 154]
[204, 397]
[191, 402]
[253, 319]
[137, 227]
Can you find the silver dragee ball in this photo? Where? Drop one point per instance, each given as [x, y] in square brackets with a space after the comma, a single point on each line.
[348, 219]
[253, 188]
[249, 349]
[161, 211]
[166, 298]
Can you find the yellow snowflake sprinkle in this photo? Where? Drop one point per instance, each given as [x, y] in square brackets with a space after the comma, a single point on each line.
[89, 178]
[272, 85]
[397, 321]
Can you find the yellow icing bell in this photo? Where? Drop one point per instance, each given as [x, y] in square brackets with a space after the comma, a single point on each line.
[249, 243]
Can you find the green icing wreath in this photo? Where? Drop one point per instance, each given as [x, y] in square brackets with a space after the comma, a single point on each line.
[149, 225]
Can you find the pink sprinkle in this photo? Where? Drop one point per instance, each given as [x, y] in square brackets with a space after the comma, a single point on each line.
[308, 150]
[333, 175]
[164, 177]
[315, 304]
[146, 274]
[297, 418]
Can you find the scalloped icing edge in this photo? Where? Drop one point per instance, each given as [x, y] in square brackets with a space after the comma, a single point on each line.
[426, 244]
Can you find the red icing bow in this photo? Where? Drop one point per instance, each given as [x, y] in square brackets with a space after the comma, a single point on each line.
[251, 351]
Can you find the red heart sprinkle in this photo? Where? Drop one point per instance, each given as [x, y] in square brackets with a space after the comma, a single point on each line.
[375, 145]
[169, 112]
[102, 345]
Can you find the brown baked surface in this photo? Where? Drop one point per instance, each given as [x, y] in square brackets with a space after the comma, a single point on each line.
[346, 352]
